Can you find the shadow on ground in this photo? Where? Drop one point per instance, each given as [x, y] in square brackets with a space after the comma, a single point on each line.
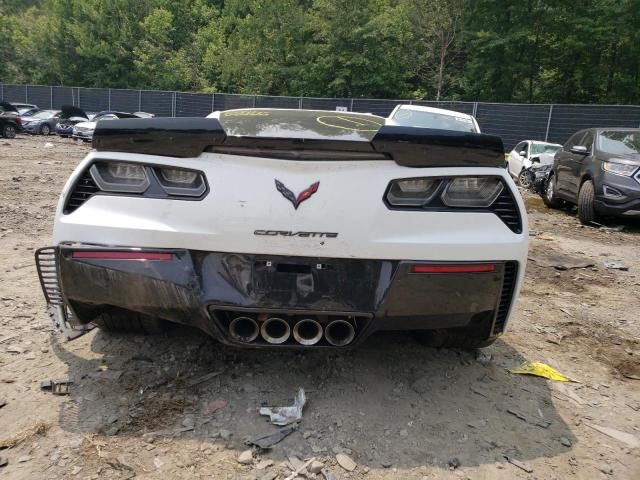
[389, 401]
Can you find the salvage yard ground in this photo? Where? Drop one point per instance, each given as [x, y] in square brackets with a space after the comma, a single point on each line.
[140, 407]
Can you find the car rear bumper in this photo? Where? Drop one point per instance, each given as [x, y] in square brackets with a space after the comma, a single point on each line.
[208, 290]
[82, 136]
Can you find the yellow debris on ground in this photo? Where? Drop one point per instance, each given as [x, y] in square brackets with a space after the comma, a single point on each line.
[540, 370]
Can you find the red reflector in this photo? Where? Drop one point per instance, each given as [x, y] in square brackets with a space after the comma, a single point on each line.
[452, 268]
[110, 255]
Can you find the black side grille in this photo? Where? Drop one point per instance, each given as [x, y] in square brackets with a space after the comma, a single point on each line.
[506, 209]
[508, 286]
[82, 191]
[48, 273]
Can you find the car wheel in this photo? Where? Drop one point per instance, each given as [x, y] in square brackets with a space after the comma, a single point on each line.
[525, 179]
[550, 199]
[125, 321]
[45, 129]
[9, 131]
[586, 210]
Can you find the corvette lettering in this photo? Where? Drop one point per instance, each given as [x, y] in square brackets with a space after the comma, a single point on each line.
[289, 233]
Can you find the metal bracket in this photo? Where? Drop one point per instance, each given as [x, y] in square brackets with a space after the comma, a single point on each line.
[57, 388]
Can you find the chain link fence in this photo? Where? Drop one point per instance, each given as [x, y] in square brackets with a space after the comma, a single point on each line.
[512, 122]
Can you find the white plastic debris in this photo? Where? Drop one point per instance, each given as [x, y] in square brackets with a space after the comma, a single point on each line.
[286, 415]
[48, 145]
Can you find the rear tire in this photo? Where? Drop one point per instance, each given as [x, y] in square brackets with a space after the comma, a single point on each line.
[9, 131]
[124, 321]
[549, 198]
[586, 209]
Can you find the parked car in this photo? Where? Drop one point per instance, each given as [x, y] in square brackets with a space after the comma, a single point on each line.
[144, 114]
[70, 116]
[429, 117]
[41, 123]
[288, 229]
[23, 107]
[10, 121]
[525, 154]
[84, 130]
[598, 169]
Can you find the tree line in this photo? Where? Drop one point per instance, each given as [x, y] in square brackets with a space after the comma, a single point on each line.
[534, 51]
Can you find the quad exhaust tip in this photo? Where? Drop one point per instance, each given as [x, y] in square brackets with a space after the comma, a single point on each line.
[307, 332]
[244, 329]
[275, 330]
[339, 333]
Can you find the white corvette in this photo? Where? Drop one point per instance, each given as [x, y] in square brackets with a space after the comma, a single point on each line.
[288, 228]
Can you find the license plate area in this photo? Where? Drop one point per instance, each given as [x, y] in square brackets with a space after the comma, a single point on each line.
[303, 277]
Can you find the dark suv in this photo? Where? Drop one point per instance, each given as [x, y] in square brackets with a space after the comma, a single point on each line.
[10, 122]
[599, 170]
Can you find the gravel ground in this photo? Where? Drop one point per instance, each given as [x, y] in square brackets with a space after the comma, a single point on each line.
[397, 409]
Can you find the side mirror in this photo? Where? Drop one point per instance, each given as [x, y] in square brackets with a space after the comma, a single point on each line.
[580, 150]
[522, 153]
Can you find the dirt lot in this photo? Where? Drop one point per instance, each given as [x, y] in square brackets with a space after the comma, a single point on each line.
[397, 409]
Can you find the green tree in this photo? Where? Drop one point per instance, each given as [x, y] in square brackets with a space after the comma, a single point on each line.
[436, 28]
[158, 64]
[104, 34]
[264, 48]
[357, 48]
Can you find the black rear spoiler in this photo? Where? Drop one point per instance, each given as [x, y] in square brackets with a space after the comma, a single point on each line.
[407, 146]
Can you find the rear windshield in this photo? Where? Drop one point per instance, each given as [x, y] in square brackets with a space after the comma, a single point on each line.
[619, 142]
[416, 118]
[302, 124]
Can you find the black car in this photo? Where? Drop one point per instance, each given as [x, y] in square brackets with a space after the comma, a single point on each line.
[598, 169]
[10, 122]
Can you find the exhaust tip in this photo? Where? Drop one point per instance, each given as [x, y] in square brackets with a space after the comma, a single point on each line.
[339, 333]
[307, 332]
[244, 329]
[275, 330]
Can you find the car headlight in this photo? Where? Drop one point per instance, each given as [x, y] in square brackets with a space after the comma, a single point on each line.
[623, 169]
[472, 191]
[412, 191]
[120, 177]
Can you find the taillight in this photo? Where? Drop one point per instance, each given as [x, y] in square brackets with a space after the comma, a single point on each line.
[120, 255]
[412, 191]
[19, 119]
[472, 191]
[180, 181]
[469, 268]
[443, 192]
[120, 177]
[136, 178]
